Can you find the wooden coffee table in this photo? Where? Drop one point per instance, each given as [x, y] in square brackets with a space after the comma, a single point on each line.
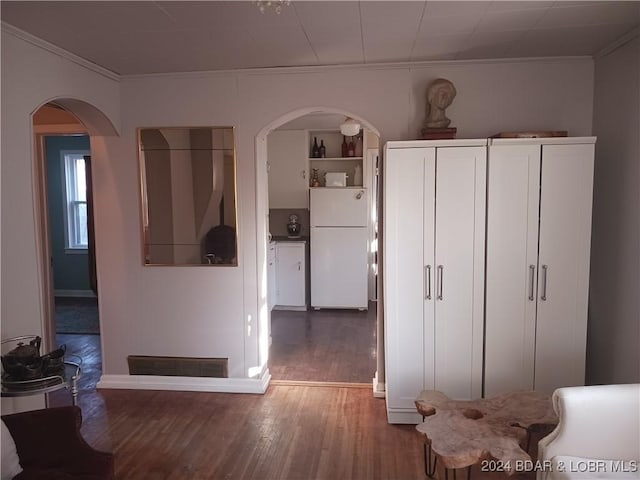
[490, 431]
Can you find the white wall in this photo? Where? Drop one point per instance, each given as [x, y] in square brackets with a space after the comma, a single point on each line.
[613, 355]
[30, 77]
[213, 311]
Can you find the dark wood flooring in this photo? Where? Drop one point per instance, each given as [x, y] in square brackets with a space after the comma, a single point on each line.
[289, 433]
[323, 345]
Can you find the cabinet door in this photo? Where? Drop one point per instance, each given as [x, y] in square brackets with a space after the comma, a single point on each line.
[459, 246]
[288, 169]
[512, 257]
[563, 281]
[290, 274]
[408, 205]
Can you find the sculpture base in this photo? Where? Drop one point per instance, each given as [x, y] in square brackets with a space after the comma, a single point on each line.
[438, 133]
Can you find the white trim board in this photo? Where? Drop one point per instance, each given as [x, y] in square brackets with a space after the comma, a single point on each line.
[403, 417]
[186, 384]
[61, 52]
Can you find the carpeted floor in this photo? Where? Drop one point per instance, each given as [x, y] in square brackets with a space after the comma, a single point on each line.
[77, 315]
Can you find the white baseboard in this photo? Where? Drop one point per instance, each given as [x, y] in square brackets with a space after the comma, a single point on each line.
[290, 308]
[378, 388]
[74, 293]
[406, 417]
[188, 384]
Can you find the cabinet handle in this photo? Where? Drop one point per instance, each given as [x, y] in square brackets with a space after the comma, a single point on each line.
[543, 296]
[427, 282]
[439, 284]
[360, 194]
[299, 265]
[532, 279]
[304, 174]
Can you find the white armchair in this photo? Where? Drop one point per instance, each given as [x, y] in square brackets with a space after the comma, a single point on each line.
[598, 434]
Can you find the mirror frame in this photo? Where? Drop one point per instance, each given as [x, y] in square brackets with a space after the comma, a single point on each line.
[144, 205]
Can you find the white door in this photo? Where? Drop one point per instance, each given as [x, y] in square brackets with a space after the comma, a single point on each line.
[339, 267]
[290, 274]
[563, 280]
[339, 207]
[409, 195]
[288, 169]
[458, 228]
[512, 257]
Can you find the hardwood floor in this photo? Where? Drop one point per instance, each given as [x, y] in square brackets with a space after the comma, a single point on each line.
[323, 345]
[289, 433]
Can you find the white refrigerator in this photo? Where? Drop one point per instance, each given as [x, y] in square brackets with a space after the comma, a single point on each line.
[339, 247]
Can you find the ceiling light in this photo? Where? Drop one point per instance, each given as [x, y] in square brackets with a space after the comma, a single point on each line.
[276, 5]
[350, 127]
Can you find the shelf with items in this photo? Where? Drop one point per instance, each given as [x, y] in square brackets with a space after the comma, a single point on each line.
[334, 161]
[331, 144]
[350, 166]
[339, 159]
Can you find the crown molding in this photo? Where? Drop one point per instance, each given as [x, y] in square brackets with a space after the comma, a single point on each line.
[616, 44]
[61, 52]
[352, 67]
[27, 37]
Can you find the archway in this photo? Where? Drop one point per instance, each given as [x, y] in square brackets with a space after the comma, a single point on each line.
[293, 120]
[68, 126]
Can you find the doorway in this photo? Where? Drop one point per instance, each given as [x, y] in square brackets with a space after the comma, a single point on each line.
[307, 344]
[63, 163]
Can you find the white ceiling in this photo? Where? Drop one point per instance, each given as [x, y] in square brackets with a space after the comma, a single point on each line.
[139, 37]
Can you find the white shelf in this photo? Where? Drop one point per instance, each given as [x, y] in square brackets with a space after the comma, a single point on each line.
[312, 159]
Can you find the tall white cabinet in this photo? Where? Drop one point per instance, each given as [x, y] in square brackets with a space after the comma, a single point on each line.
[434, 232]
[538, 245]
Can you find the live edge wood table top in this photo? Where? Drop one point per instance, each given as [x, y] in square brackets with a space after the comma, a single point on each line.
[463, 433]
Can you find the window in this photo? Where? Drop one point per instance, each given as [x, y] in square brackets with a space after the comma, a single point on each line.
[75, 211]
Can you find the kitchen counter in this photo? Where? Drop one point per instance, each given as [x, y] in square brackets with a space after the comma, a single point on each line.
[284, 238]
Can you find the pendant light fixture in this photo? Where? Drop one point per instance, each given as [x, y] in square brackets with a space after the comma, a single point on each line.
[350, 127]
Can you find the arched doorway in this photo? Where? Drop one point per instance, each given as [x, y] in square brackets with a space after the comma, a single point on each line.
[62, 130]
[296, 330]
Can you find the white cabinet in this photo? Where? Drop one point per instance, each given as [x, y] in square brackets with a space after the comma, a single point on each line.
[538, 246]
[288, 169]
[290, 275]
[434, 219]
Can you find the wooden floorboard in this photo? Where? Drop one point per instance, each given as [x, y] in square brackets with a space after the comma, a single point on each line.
[290, 432]
[324, 345]
[295, 431]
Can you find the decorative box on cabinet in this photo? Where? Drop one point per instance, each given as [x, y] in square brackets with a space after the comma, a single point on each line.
[434, 219]
[291, 293]
[538, 245]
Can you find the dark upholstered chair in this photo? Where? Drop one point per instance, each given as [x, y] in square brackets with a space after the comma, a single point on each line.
[50, 446]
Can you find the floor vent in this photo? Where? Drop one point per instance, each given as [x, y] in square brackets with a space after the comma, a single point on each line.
[178, 366]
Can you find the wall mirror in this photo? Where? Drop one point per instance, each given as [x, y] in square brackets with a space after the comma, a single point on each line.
[188, 188]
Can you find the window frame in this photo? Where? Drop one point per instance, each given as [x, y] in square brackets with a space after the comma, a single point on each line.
[68, 160]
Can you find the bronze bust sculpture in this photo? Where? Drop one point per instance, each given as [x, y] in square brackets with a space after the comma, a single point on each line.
[440, 95]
